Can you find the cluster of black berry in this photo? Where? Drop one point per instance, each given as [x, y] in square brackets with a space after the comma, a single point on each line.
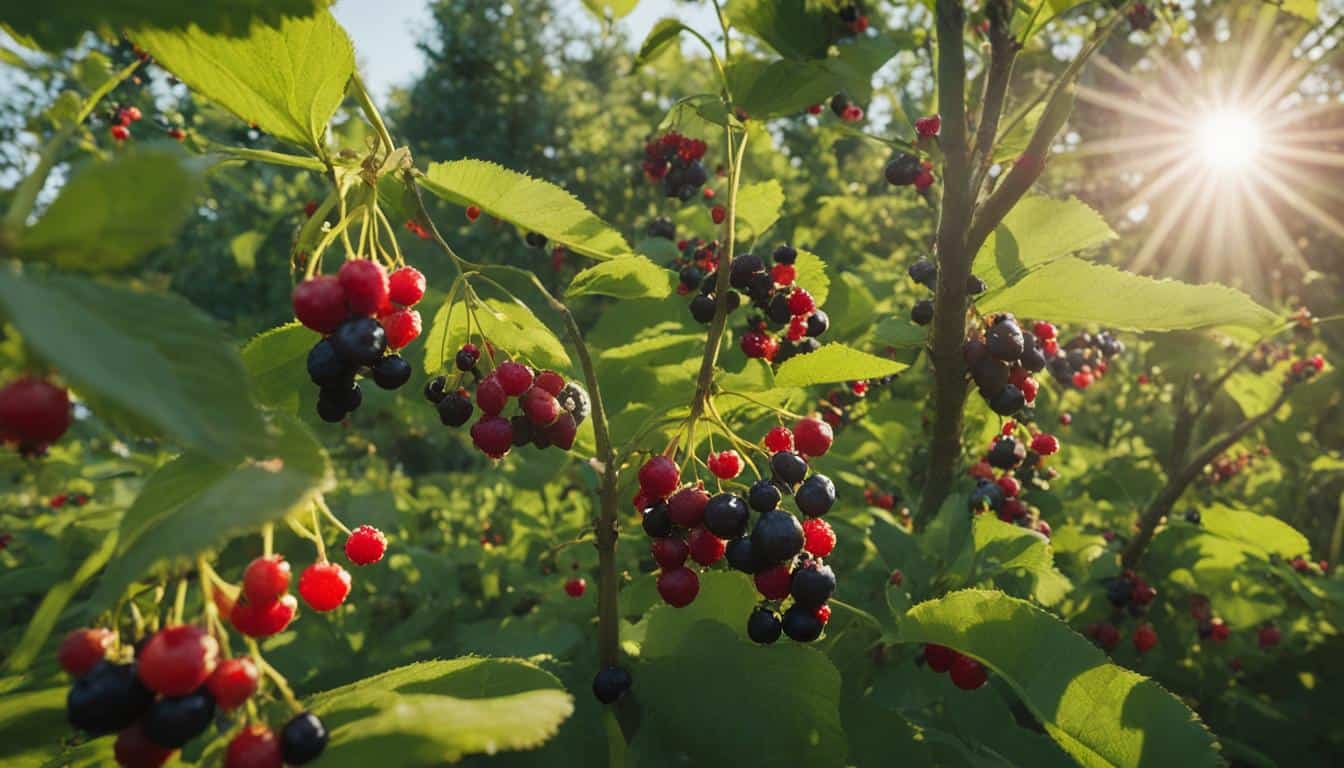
[1006, 470]
[1304, 369]
[856, 22]
[1001, 361]
[1082, 360]
[907, 170]
[925, 273]
[781, 305]
[674, 160]
[549, 408]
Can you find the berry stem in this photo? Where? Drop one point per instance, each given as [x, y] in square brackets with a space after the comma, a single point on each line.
[267, 539]
[180, 601]
[371, 111]
[772, 408]
[269, 157]
[321, 505]
[317, 537]
[273, 674]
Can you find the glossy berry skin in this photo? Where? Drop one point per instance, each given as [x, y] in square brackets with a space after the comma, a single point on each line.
[777, 536]
[324, 586]
[302, 739]
[741, 557]
[107, 699]
[256, 746]
[813, 584]
[788, 467]
[540, 407]
[610, 684]
[473, 212]
[939, 657]
[726, 516]
[818, 537]
[1145, 637]
[326, 367]
[686, 507]
[928, 126]
[678, 587]
[33, 411]
[669, 551]
[515, 378]
[82, 649]
[455, 409]
[922, 312]
[576, 587]
[902, 170]
[655, 521]
[773, 583]
[365, 545]
[172, 721]
[967, 673]
[233, 682]
[401, 327]
[763, 496]
[812, 437]
[659, 477]
[705, 547]
[815, 496]
[725, 465]
[1045, 444]
[133, 749]
[365, 284]
[266, 579]
[360, 341]
[466, 357]
[764, 626]
[491, 397]
[263, 620]
[1006, 453]
[406, 286]
[779, 439]
[493, 436]
[1004, 340]
[177, 660]
[802, 624]
[718, 213]
[391, 372]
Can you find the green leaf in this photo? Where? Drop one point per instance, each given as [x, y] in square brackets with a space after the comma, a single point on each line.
[94, 224]
[768, 89]
[1012, 146]
[633, 277]
[999, 547]
[510, 326]
[759, 205]
[194, 503]
[796, 29]
[288, 80]
[810, 273]
[244, 248]
[535, 205]
[663, 34]
[59, 25]
[1262, 533]
[439, 711]
[55, 600]
[276, 363]
[1307, 9]
[900, 333]
[834, 363]
[1101, 714]
[1037, 231]
[1254, 392]
[1071, 290]
[615, 9]
[150, 360]
[34, 726]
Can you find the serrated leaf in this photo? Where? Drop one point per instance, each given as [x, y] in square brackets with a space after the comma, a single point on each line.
[997, 547]
[633, 277]
[788, 86]
[1101, 714]
[810, 273]
[1262, 533]
[150, 360]
[796, 29]
[834, 363]
[93, 224]
[511, 327]
[1037, 231]
[759, 205]
[1071, 290]
[663, 34]
[276, 363]
[288, 79]
[56, 26]
[900, 333]
[535, 205]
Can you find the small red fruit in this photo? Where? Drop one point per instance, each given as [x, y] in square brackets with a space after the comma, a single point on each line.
[133, 749]
[800, 302]
[1065, 419]
[1010, 486]
[1083, 380]
[365, 284]
[725, 464]
[783, 274]
[823, 613]
[897, 578]
[923, 181]
[57, 501]
[493, 436]
[1045, 444]
[659, 477]
[263, 620]
[402, 327]
[177, 660]
[678, 587]
[706, 548]
[266, 579]
[1106, 635]
[365, 545]
[928, 126]
[718, 213]
[774, 583]
[1269, 636]
[852, 114]
[550, 381]
[406, 286]
[82, 649]
[129, 115]
[1145, 637]
[1219, 631]
[687, 506]
[939, 657]
[177, 133]
[120, 132]
[576, 587]
[818, 536]
[779, 439]
[563, 431]
[515, 378]
[33, 411]
[540, 406]
[669, 552]
[233, 682]
[324, 586]
[319, 303]
[254, 747]
[967, 673]
[812, 436]
[490, 396]
[1044, 331]
[473, 212]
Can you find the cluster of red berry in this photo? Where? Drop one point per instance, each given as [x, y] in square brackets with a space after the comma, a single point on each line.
[1224, 468]
[34, 413]
[362, 313]
[1130, 596]
[121, 119]
[1304, 369]
[856, 22]
[966, 673]
[61, 499]
[550, 409]
[1081, 360]
[674, 160]
[1019, 467]
[783, 307]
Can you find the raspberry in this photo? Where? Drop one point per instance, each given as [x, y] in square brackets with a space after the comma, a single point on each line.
[1144, 638]
[823, 613]
[473, 212]
[177, 660]
[658, 477]
[967, 673]
[687, 506]
[798, 328]
[725, 465]
[928, 126]
[923, 181]
[266, 579]
[576, 587]
[233, 682]
[1011, 487]
[1083, 380]
[801, 302]
[669, 552]
[897, 578]
[133, 749]
[758, 345]
[324, 586]
[1269, 636]
[365, 545]
[82, 649]
[540, 407]
[402, 327]
[34, 412]
[784, 274]
[120, 132]
[1045, 444]
[773, 584]
[406, 286]
[258, 620]
[58, 501]
[515, 378]
[254, 747]
[678, 587]
[939, 657]
[718, 213]
[812, 436]
[818, 536]
[365, 285]
[319, 303]
[1029, 389]
[705, 547]
[493, 436]
[1043, 330]
[779, 439]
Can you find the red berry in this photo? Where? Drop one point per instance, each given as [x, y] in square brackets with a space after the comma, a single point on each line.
[797, 328]
[319, 303]
[233, 682]
[58, 501]
[815, 109]
[725, 464]
[718, 213]
[967, 673]
[852, 114]
[34, 412]
[800, 302]
[659, 477]
[939, 657]
[784, 274]
[493, 436]
[823, 613]
[120, 132]
[774, 583]
[687, 506]
[402, 327]
[669, 552]
[1082, 380]
[1045, 444]
[1044, 331]
[1050, 348]
[1106, 635]
[818, 536]
[365, 284]
[541, 407]
[779, 439]
[928, 126]
[177, 133]
[1220, 631]
[309, 208]
[266, 579]
[1011, 510]
[859, 388]
[177, 660]
[756, 345]
[924, 180]
[473, 212]
[133, 749]
[1043, 528]
[708, 193]
[254, 747]
[705, 547]
[897, 578]
[365, 545]
[515, 378]
[263, 620]
[1269, 636]
[1010, 486]
[324, 586]
[130, 114]
[1065, 419]
[562, 432]
[576, 587]
[490, 396]
[406, 286]
[1145, 637]
[812, 436]
[82, 649]
[550, 381]
[1142, 379]
[678, 587]
[1029, 389]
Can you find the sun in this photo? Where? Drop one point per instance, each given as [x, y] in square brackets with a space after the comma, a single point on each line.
[1228, 139]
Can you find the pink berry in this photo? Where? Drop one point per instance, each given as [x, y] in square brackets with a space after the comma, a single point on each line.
[686, 507]
[402, 327]
[678, 587]
[406, 286]
[819, 537]
[779, 439]
[705, 547]
[490, 396]
[725, 465]
[365, 284]
[515, 378]
[319, 303]
[812, 436]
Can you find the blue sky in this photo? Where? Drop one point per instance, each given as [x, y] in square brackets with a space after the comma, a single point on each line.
[390, 29]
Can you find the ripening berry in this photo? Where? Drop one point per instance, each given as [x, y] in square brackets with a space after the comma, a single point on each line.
[233, 682]
[779, 439]
[266, 579]
[1045, 444]
[128, 115]
[1269, 636]
[897, 578]
[473, 212]
[725, 465]
[177, 133]
[493, 436]
[365, 545]
[823, 613]
[490, 396]
[815, 109]
[718, 213]
[812, 436]
[402, 327]
[928, 126]
[818, 536]
[852, 113]
[967, 673]
[686, 507]
[365, 284]
[1219, 631]
[1142, 380]
[758, 345]
[1065, 419]
[678, 587]
[263, 620]
[120, 132]
[515, 378]
[319, 303]
[256, 746]
[1083, 380]
[658, 477]
[939, 657]
[1145, 637]
[775, 582]
[133, 749]
[540, 407]
[1011, 487]
[324, 586]
[783, 274]
[576, 587]
[406, 286]
[669, 551]
[33, 412]
[705, 547]
[177, 660]
[801, 302]
[82, 649]
[923, 181]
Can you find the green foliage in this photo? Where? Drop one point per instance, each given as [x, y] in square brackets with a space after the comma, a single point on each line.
[631, 277]
[661, 35]
[511, 326]
[1038, 231]
[60, 27]
[834, 363]
[758, 206]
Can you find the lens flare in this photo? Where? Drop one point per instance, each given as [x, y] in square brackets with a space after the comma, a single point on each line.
[1228, 139]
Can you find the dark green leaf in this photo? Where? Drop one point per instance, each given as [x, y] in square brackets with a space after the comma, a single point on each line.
[633, 277]
[834, 363]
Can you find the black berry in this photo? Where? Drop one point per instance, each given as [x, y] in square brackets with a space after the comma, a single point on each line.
[813, 584]
[610, 684]
[817, 324]
[902, 170]
[815, 496]
[922, 312]
[107, 699]
[434, 389]
[303, 739]
[325, 366]
[785, 254]
[924, 272]
[764, 626]
[802, 625]
[1007, 401]
[777, 537]
[1006, 453]
[391, 372]
[702, 308]
[726, 516]
[455, 410]
[1005, 341]
[360, 341]
[656, 523]
[174, 720]
[763, 496]
[788, 467]
[533, 240]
